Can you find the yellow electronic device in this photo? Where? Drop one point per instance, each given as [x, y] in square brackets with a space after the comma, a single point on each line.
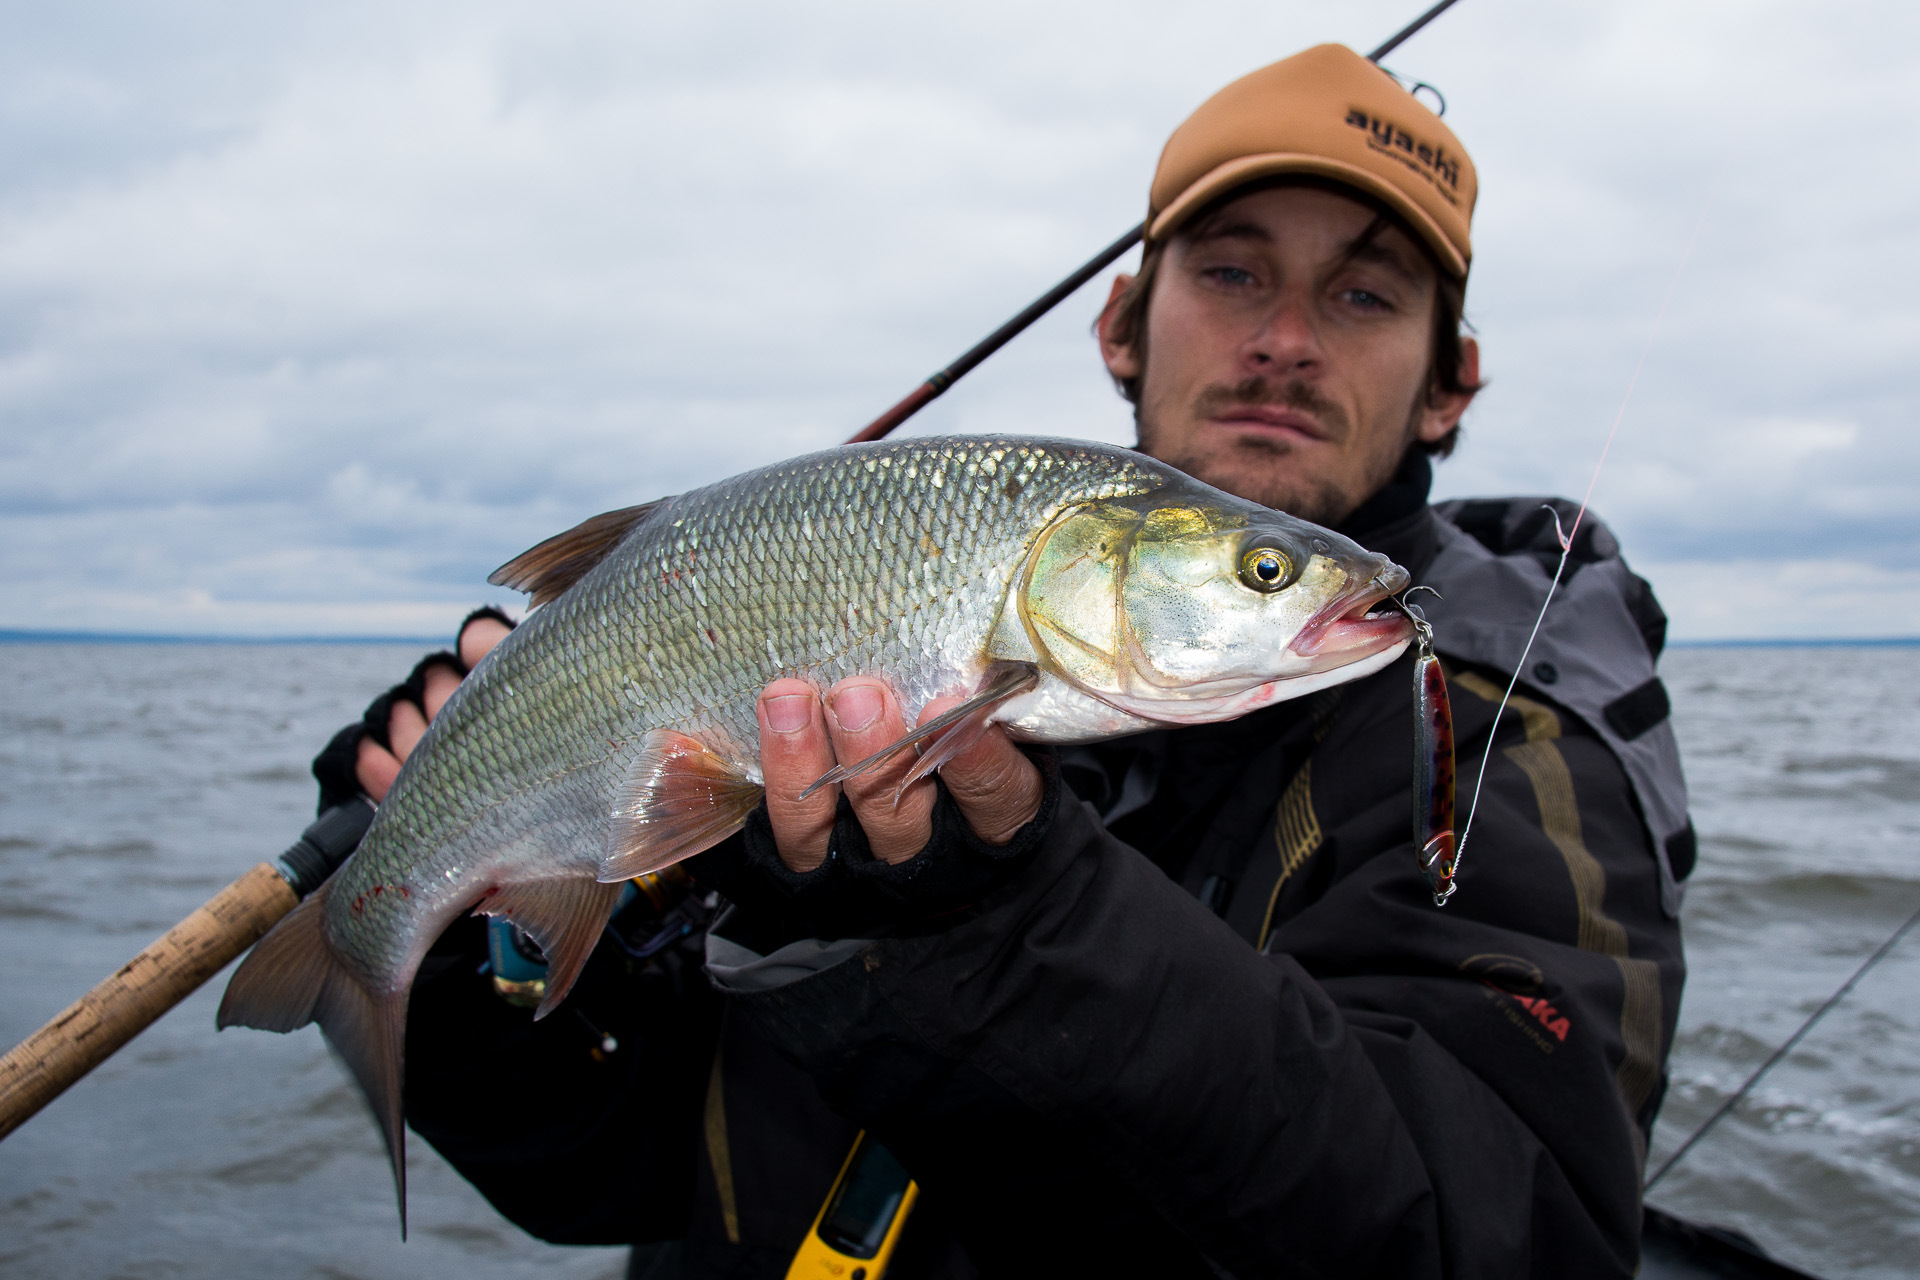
[856, 1231]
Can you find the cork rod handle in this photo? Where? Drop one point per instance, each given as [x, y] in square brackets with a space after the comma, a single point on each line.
[41, 1067]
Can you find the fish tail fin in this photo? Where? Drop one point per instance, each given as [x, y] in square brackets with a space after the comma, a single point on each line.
[293, 977]
[564, 916]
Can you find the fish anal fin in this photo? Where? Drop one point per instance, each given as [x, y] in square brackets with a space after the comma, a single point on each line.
[293, 977]
[946, 735]
[565, 916]
[680, 797]
[548, 569]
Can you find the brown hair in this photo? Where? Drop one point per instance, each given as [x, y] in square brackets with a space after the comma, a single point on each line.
[1446, 370]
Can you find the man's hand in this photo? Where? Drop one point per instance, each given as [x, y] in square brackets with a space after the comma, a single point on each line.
[996, 787]
[376, 766]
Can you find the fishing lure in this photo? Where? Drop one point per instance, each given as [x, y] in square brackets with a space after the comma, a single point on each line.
[1432, 765]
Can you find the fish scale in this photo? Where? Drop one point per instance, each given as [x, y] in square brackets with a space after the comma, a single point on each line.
[524, 724]
[615, 732]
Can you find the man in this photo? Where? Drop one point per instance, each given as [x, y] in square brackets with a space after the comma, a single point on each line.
[1182, 1003]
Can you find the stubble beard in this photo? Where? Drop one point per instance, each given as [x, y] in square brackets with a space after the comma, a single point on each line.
[1254, 467]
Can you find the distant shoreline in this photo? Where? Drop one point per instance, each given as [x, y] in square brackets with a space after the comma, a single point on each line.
[133, 637]
[1842, 642]
[21, 636]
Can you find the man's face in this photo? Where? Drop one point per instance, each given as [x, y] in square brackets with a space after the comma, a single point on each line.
[1281, 365]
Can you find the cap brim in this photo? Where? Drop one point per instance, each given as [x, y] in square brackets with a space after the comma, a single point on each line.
[1244, 169]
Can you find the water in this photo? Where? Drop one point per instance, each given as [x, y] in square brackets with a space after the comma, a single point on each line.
[1804, 766]
[136, 780]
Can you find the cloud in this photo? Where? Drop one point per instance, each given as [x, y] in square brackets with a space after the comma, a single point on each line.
[322, 312]
[1807, 598]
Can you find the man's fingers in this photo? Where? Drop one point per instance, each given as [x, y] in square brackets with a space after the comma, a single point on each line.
[405, 725]
[375, 768]
[440, 683]
[997, 789]
[862, 717]
[794, 750]
[478, 637]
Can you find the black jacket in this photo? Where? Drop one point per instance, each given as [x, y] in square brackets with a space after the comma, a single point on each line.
[1225, 1031]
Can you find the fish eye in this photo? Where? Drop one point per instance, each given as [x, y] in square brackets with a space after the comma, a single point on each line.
[1265, 569]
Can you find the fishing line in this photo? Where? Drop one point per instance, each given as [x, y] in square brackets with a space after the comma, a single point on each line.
[1567, 536]
[1746, 1087]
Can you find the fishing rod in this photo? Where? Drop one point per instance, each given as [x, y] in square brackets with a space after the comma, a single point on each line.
[934, 387]
[89, 1031]
[1724, 1109]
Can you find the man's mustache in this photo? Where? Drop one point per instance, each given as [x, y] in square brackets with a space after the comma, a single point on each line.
[1219, 398]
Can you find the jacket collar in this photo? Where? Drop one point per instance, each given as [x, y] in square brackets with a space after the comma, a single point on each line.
[1396, 522]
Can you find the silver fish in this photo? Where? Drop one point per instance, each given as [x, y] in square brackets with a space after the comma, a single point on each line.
[1077, 591]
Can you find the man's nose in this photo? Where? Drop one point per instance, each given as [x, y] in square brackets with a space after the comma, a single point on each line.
[1286, 341]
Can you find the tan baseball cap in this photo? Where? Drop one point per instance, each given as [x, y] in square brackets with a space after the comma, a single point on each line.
[1331, 113]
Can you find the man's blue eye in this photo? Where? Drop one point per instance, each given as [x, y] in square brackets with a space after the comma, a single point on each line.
[1369, 300]
[1232, 275]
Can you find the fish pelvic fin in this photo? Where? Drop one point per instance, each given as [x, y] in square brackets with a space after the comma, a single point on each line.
[680, 798]
[946, 735]
[564, 916]
[545, 571]
[293, 977]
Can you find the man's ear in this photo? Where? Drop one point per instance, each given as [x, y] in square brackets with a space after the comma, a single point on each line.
[1441, 412]
[1121, 360]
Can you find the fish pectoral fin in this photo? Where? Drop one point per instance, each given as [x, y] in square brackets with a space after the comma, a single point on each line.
[548, 569]
[946, 735]
[292, 977]
[564, 915]
[680, 798]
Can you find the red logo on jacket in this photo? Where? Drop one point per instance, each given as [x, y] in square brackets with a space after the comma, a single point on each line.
[1545, 1014]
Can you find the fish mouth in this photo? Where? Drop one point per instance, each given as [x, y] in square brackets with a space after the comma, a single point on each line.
[1345, 630]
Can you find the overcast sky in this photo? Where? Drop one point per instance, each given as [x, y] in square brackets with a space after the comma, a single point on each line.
[310, 315]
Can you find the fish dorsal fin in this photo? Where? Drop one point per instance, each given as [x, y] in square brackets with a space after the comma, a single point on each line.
[291, 978]
[546, 570]
[680, 798]
[565, 916]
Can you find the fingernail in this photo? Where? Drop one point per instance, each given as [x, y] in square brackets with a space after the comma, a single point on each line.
[855, 707]
[788, 713]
